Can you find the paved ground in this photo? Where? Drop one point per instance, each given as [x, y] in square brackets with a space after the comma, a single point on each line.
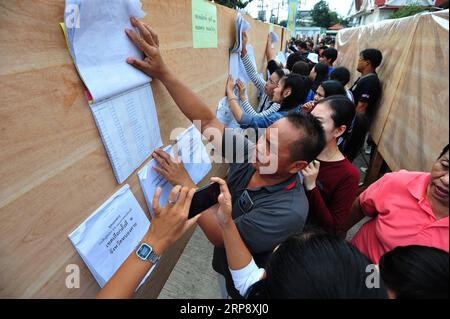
[193, 276]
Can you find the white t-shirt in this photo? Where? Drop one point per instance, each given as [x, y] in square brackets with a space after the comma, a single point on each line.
[246, 277]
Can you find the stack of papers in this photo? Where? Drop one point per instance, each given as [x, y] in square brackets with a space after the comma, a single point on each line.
[241, 26]
[274, 37]
[108, 237]
[190, 149]
[122, 100]
[281, 58]
[224, 114]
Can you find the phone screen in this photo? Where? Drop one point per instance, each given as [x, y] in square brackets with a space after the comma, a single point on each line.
[204, 198]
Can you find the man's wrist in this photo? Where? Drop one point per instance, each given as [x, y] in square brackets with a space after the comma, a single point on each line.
[228, 225]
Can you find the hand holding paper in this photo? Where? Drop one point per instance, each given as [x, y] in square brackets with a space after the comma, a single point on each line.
[171, 169]
[147, 41]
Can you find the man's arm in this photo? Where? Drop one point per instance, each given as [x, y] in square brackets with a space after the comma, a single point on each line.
[361, 107]
[192, 106]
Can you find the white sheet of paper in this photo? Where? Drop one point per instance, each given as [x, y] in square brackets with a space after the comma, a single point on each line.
[107, 237]
[128, 125]
[281, 58]
[241, 25]
[100, 46]
[234, 65]
[274, 37]
[224, 114]
[195, 159]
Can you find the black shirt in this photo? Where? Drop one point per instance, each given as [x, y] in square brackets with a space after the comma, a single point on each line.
[367, 89]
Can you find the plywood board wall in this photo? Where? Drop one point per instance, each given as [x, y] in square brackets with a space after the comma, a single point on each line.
[54, 170]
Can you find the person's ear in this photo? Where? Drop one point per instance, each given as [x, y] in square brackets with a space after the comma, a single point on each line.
[287, 92]
[298, 166]
[338, 132]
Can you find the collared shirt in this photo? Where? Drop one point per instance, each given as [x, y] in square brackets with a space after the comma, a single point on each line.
[402, 216]
[277, 212]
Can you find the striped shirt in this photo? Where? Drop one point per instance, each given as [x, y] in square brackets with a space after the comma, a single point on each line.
[265, 106]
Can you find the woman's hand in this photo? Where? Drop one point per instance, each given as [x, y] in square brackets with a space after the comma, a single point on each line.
[230, 87]
[242, 90]
[172, 170]
[310, 174]
[223, 214]
[308, 106]
[147, 41]
[171, 221]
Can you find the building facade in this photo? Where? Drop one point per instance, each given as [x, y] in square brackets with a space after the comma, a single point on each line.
[363, 12]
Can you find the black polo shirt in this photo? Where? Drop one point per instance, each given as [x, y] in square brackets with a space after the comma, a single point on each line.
[367, 89]
[277, 212]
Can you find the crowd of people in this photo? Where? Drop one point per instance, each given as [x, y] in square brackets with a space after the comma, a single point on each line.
[283, 234]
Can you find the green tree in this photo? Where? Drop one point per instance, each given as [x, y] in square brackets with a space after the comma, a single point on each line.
[324, 18]
[407, 11]
[241, 4]
[283, 23]
[321, 14]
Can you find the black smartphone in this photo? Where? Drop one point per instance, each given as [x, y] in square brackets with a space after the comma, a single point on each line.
[204, 198]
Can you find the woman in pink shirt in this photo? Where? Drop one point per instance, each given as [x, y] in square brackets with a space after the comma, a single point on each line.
[408, 208]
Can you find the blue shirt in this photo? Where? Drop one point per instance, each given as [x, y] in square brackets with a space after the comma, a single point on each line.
[330, 69]
[265, 121]
[310, 96]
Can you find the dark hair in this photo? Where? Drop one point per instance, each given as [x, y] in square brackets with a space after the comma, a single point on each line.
[322, 75]
[416, 272]
[303, 45]
[333, 87]
[374, 56]
[343, 110]
[292, 59]
[330, 54]
[341, 74]
[301, 68]
[300, 86]
[280, 73]
[315, 265]
[444, 151]
[272, 66]
[312, 139]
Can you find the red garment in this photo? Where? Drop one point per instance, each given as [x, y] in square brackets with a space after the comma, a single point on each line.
[402, 216]
[330, 202]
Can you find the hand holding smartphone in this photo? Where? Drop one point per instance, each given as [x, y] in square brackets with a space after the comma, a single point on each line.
[204, 198]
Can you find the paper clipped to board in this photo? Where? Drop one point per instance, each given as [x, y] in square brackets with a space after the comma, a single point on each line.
[241, 26]
[107, 237]
[192, 152]
[123, 106]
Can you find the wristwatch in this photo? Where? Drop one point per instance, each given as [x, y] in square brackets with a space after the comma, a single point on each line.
[145, 252]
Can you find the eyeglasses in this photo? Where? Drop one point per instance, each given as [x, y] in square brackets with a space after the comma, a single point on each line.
[273, 82]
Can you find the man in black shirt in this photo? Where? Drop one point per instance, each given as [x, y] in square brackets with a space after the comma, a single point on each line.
[367, 93]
